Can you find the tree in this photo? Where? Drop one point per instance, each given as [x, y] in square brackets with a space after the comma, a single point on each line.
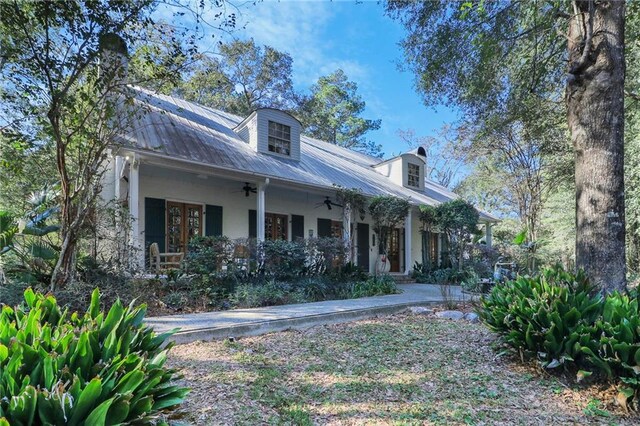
[459, 221]
[64, 81]
[428, 217]
[243, 78]
[332, 113]
[354, 205]
[387, 212]
[491, 56]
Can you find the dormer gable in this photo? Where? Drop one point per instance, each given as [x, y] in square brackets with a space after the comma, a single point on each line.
[406, 169]
[271, 131]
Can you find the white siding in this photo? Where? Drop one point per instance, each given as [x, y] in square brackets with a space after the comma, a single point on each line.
[263, 117]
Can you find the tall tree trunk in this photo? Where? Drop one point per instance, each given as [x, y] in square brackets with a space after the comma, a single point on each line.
[595, 104]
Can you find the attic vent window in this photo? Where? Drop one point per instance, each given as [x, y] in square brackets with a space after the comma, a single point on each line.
[413, 176]
[279, 138]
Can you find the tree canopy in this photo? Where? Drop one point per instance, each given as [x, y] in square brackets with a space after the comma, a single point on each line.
[518, 61]
[332, 113]
[241, 78]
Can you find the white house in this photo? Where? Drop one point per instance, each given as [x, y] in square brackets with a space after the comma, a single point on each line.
[190, 170]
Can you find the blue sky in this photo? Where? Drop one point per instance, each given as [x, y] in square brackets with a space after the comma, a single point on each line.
[322, 36]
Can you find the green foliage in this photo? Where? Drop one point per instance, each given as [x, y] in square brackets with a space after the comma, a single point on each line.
[387, 212]
[283, 259]
[354, 198]
[262, 74]
[457, 217]
[558, 318]
[31, 249]
[310, 289]
[95, 369]
[332, 113]
[374, 286]
[541, 316]
[207, 254]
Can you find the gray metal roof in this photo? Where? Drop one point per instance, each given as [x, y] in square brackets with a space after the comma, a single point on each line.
[178, 129]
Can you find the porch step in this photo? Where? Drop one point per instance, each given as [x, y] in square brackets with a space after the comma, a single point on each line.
[403, 279]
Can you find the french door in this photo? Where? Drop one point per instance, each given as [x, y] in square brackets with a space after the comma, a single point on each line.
[276, 226]
[394, 250]
[184, 221]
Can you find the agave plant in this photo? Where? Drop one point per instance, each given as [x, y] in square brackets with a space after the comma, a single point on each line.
[58, 368]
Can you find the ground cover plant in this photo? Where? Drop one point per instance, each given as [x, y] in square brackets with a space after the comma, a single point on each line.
[561, 320]
[96, 368]
[404, 369]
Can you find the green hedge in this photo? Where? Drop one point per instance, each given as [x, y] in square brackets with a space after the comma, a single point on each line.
[560, 319]
[67, 368]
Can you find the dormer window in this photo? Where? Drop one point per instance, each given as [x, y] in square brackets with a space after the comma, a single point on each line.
[413, 175]
[279, 138]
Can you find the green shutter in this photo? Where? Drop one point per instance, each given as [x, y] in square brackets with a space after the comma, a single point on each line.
[253, 224]
[324, 228]
[297, 227]
[154, 223]
[213, 220]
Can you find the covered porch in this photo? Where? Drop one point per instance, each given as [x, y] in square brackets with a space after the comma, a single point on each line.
[171, 202]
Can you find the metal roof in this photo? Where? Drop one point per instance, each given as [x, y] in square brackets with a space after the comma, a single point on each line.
[178, 129]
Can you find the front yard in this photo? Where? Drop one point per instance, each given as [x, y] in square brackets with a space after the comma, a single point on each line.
[402, 369]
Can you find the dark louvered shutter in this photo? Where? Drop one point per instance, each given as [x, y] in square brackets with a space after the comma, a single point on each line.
[324, 228]
[213, 221]
[253, 224]
[154, 223]
[297, 227]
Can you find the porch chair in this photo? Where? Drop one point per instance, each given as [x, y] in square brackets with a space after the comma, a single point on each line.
[159, 261]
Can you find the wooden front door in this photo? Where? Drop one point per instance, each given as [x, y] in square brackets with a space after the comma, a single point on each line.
[184, 221]
[394, 250]
[276, 227]
[362, 247]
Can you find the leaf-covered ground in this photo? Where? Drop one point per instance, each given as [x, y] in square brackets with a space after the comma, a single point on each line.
[401, 369]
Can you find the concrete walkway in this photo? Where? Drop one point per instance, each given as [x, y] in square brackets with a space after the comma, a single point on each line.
[251, 322]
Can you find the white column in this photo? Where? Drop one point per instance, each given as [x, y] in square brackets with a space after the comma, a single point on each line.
[489, 234]
[439, 251]
[119, 162]
[346, 231]
[407, 243]
[261, 209]
[134, 211]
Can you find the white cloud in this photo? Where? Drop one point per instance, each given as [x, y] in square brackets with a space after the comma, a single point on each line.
[298, 28]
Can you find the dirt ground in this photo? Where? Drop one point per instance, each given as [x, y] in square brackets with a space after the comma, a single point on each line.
[400, 369]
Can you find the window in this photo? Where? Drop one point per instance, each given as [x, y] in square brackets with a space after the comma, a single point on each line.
[279, 138]
[413, 176]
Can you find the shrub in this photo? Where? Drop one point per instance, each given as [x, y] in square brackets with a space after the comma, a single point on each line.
[94, 369]
[270, 293]
[558, 318]
[374, 286]
[541, 316]
[283, 260]
[207, 254]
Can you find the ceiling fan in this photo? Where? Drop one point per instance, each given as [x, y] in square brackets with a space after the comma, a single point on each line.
[248, 189]
[327, 202]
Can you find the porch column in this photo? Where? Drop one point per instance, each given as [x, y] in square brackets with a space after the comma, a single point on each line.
[488, 235]
[439, 251]
[346, 231]
[119, 162]
[134, 211]
[261, 208]
[407, 243]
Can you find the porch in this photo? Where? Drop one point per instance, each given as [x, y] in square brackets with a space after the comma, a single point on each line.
[171, 202]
